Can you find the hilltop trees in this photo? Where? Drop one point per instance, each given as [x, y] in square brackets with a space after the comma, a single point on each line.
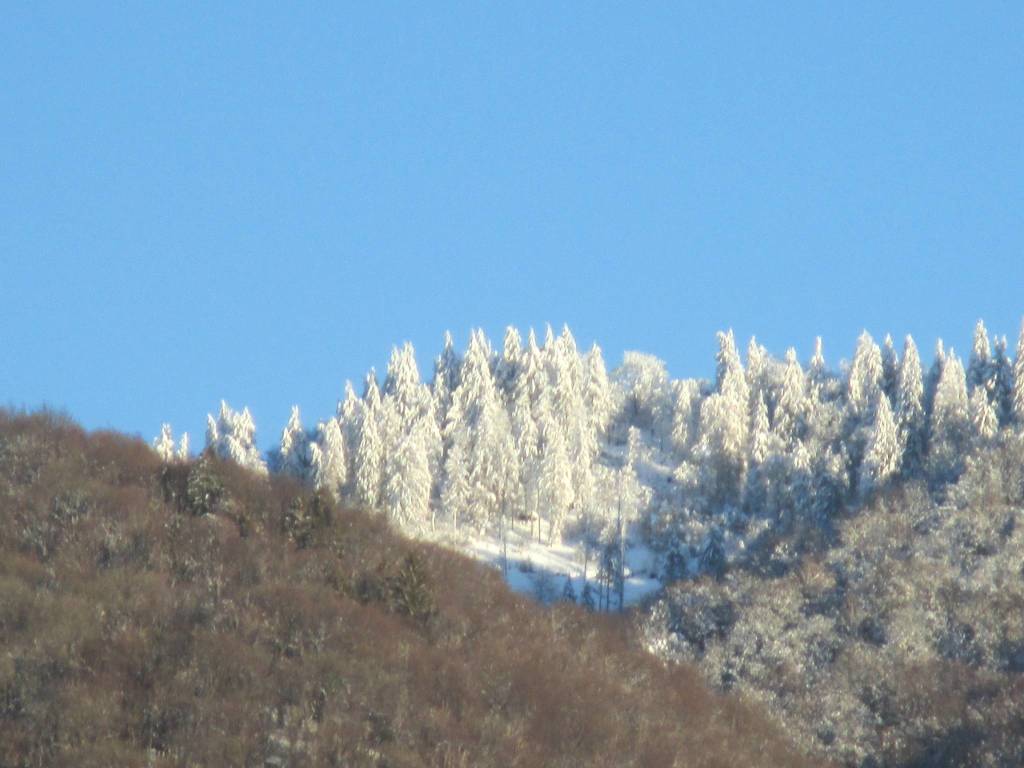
[533, 433]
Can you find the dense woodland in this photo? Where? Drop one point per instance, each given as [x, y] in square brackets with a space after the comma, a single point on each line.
[194, 613]
[843, 545]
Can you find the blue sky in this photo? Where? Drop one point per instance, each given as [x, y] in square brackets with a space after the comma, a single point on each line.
[256, 203]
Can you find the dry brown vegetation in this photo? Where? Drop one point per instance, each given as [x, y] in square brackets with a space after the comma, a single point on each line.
[194, 614]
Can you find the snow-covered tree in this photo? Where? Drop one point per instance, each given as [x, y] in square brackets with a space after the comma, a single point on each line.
[369, 459]
[293, 457]
[183, 448]
[597, 396]
[910, 407]
[984, 421]
[328, 462]
[1018, 380]
[685, 414]
[792, 404]
[456, 493]
[890, 368]
[232, 436]
[979, 366]
[949, 420]
[555, 487]
[164, 444]
[508, 365]
[407, 489]
[760, 433]
[865, 381]
[882, 459]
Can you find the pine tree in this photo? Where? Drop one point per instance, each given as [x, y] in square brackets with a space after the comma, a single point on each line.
[882, 460]
[328, 462]
[369, 460]
[1018, 380]
[760, 434]
[790, 412]
[407, 490]
[508, 365]
[455, 490]
[597, 397]
[817, 370]
[865, 381]
[1002, 377]
[984, 421]
[949, 421]
[910, 407]
[183, 448]
[890, 368]
[446, 379]
[979, 367]
[232, 436]
[723, 427]
[164, 444]
[931, 382]
[293, 457]
[684, 414]
[555, 486]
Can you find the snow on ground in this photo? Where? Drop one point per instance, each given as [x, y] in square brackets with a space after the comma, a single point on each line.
[533, 568]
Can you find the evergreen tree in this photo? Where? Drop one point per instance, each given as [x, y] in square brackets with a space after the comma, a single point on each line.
[293, 457]
[817, 370]
[328, 462]
[455, 490]
[232, 436]
[1018, 380]
[931, 382]
[446, 379]
[407, 490]
[760, 434]
[183, 447]
[369, 457]
[597, 396]
[685, 414]
[910, 407]
[890, 368]
[979, 367]
[984, 421]
[792, 405]
[164, 444]
[949, 421]
[555, 486]
[865, 380]
[1002, 377]
[882, 460]
[508, 365]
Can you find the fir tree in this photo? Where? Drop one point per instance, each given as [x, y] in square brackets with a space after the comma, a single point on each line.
[882, 460]
[949, 421]
[979, 367]
[369, 460]
[910, 407]
[890, 368]
[183, 448]
[293, 457]
[555, 486]
[865, 380]
[407, 490]
[232, 436]
[328, 462]
[164, 444]
[792, 405]
[1018, 380]
[984, 421]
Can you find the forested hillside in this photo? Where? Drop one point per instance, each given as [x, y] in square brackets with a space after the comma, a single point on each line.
[192, 613]
[542, 437]
[844, 545]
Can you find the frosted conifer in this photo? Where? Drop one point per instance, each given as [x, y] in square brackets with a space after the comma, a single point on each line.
[164, 444]
[882, 460]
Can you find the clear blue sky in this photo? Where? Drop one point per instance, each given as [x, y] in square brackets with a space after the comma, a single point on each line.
[256, 202]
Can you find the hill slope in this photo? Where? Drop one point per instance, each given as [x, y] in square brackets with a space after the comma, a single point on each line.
[198, 614]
